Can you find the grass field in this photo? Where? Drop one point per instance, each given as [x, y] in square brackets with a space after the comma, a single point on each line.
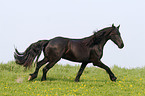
[60, 82]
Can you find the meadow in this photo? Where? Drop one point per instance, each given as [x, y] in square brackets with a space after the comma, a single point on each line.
[60, 82]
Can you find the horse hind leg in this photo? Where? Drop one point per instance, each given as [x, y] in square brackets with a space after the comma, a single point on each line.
[39, 64]
[53, 59]
[47, 67]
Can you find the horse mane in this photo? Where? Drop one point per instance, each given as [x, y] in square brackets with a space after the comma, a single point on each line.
[95, 38]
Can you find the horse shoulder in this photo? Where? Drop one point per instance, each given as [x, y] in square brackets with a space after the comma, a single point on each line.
[97, 52]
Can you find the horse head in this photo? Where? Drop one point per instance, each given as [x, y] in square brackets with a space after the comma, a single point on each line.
[115, 36]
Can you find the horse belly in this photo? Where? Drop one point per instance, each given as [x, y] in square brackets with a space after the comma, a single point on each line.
[76, 55]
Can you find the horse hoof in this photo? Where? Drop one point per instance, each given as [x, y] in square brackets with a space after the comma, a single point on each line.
[30, 78]
[77, 80]
[114, 79]
[43, 79]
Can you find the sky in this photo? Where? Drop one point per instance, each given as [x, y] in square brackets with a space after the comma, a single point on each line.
[23, 22]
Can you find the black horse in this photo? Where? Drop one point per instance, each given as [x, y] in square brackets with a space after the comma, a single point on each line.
[86, 50]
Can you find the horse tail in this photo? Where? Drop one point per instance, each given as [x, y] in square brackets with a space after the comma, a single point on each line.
[27, 57]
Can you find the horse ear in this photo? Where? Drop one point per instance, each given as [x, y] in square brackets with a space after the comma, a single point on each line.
[113, 25]
[118, 27]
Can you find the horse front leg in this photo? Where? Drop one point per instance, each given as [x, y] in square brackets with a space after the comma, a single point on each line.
[77, 79]
[101, 65]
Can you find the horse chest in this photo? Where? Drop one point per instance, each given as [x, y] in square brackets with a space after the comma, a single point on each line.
[96, 53]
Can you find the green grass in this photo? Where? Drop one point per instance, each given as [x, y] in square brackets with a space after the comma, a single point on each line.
[60, 82]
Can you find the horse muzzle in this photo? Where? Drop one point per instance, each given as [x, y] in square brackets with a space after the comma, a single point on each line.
[121, 46]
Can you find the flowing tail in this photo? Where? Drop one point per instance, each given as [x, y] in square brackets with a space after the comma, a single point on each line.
[26, 58]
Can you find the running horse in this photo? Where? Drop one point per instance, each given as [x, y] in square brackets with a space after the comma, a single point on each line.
[85, 50]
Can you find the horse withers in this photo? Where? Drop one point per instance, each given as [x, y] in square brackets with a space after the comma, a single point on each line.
[85, 50]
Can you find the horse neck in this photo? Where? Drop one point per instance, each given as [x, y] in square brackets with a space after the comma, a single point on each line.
[88, 41]
[104, 38]
[102, 43]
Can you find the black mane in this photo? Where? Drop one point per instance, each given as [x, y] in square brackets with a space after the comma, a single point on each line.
[96, 37]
